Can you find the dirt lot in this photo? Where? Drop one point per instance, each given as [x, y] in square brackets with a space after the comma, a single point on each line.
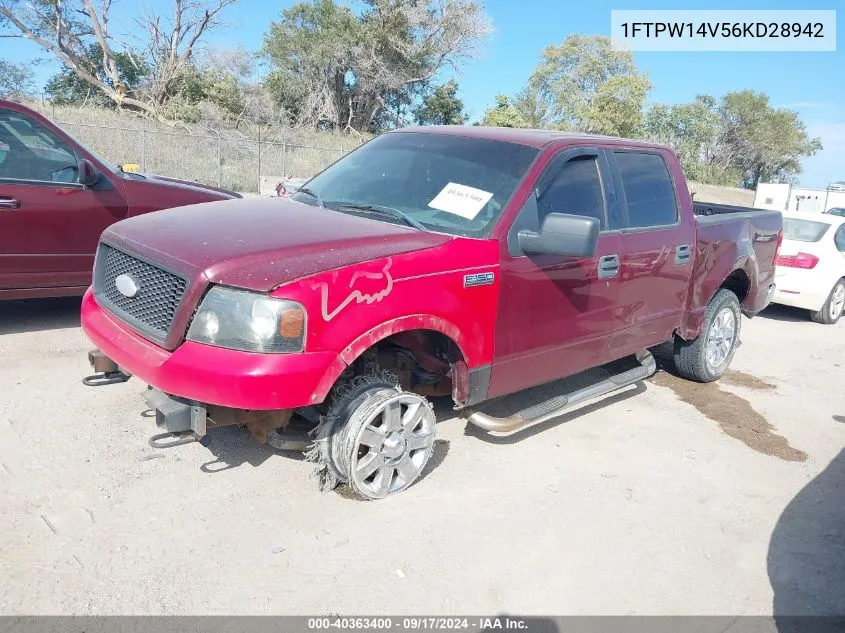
[669, 498]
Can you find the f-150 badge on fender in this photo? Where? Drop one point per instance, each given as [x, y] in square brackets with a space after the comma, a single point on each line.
[478, 279]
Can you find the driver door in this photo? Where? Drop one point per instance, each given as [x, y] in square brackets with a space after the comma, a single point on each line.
[556, 313]
[49, 223]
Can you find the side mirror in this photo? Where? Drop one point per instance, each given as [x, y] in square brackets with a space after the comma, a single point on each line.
[88, 174]
[562, 234]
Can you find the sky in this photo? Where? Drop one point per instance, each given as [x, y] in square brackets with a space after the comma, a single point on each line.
[808, 82]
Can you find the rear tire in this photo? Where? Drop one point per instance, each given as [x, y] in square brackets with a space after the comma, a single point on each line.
[833, 307]
[708, 356]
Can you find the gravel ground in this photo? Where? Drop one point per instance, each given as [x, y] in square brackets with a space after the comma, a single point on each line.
[668, 498]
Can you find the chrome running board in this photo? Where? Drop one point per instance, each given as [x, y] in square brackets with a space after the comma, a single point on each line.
[556, 405]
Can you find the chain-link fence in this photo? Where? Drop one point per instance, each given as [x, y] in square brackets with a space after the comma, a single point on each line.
[252, 165]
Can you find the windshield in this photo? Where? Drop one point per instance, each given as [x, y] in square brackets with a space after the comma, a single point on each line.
[444, 183]
[803, 230]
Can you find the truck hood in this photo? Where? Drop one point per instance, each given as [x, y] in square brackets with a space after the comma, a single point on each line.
[261, 243]
[176, 183]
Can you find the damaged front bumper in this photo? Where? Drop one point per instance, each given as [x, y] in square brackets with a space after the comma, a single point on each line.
[215, 375]
[180, 416]
[177, 415]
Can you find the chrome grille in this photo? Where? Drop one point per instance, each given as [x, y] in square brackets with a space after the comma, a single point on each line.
[159, 292]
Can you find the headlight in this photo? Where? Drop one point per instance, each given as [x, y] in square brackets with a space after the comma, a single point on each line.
[248, 321]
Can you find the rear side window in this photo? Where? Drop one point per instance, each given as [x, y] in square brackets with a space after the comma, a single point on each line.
[576, 190]
[803, 230]
[839, 239]
[649, 192]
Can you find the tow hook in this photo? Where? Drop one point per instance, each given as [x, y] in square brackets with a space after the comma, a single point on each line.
[107, 371]
[168, 440]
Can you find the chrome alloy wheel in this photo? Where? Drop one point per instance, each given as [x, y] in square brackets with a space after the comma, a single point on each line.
[720, 339]
[837, 301]
[393, 445]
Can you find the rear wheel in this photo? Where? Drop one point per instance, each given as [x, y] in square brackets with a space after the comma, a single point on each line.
[833, 307]
[707, 357]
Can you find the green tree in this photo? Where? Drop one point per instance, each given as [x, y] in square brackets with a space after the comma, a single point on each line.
[765, 144]
[68, 88]
[585, 85]
[503, 114]
[16, 80]
[70, 30]
[333, 67]
[533, 108]
[442, 107]
[692, 130]
[738, 141]
[196, 86]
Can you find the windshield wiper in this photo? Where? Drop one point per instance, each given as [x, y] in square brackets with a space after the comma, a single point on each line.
[313, 194]
[378, 209]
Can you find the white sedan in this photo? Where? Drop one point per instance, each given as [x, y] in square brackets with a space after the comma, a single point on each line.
[811, 265]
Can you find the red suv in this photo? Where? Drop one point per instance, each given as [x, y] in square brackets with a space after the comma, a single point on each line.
[57, 197]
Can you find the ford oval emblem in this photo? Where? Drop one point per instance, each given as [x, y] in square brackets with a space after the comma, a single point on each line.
[127, 285]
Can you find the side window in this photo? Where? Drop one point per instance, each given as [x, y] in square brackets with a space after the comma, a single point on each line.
[29, 151]
[649, 192]
[839, 238]
[576, 190]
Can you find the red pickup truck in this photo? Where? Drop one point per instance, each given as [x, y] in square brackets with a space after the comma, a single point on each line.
[57, 197]
[460, 261]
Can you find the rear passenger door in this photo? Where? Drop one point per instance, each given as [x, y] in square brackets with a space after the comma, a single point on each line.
[656, 252]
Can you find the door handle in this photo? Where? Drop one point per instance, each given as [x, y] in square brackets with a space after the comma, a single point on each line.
[682, 254]
[608, 266]
[9, 204]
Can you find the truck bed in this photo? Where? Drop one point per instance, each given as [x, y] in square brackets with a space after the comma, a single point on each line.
[727, 234]
[706, 209]
[708, 213]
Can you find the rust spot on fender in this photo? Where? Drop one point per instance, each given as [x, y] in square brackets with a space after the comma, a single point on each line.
[734, 415]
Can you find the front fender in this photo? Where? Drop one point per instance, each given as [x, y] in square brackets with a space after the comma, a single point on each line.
[352, 308]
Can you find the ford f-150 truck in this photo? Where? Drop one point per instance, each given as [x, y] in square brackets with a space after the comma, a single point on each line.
[57, 197]
[459, 261]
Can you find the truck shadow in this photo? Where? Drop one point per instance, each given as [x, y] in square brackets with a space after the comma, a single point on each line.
[438, 454]
[36, 315]
[232, 446]
[777, 312]
[806, 558]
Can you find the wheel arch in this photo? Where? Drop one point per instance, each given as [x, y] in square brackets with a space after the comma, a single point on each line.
[434, 332]
[738, 282]
[739, 279]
